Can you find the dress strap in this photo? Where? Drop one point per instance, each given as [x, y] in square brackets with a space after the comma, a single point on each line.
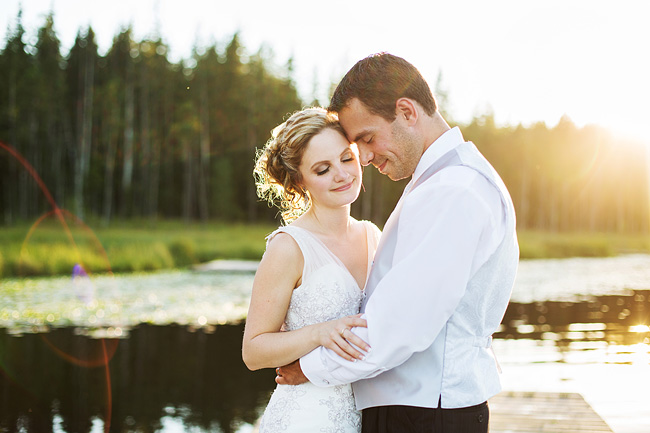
[314, 252]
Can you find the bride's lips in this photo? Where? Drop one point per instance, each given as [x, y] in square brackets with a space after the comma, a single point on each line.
[344, 187]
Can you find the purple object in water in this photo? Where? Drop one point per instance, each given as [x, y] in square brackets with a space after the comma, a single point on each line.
[78, 271]
[83, 287]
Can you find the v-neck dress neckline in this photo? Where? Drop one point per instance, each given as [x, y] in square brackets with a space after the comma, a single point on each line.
[339, 261]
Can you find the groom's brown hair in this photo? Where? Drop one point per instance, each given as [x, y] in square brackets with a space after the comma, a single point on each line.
[378, 81]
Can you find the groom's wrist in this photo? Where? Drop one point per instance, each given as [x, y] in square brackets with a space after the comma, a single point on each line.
[314, 370]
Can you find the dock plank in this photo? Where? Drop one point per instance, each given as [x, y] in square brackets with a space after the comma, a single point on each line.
[543, 412]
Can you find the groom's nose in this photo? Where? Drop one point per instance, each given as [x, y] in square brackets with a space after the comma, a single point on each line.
[365, 156]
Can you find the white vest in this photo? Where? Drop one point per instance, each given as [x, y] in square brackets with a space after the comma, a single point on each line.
[459, 367]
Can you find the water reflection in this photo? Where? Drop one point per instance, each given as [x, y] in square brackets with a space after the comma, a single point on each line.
[616, 325]
[158, 374]
[194, 379]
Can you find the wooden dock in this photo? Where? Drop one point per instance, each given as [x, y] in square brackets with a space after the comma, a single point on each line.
[543, 412]
[247, 266]
[540, 412]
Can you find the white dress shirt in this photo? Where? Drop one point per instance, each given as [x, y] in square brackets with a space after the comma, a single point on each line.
[449, 226]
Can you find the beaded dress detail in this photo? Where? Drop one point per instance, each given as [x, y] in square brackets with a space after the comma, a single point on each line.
[328, 291]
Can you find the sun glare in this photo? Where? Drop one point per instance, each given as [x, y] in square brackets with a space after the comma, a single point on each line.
[640, 328]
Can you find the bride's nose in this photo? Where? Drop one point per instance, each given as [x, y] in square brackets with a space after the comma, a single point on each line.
[341, 175]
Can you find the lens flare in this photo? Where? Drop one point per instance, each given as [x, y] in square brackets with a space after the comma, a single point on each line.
[100, 356]
[61, 215]
[98, 360]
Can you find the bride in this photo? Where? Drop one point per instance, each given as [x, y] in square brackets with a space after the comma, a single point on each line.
[309, 284]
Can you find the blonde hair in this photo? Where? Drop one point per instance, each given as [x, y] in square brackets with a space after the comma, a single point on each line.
[276, 172]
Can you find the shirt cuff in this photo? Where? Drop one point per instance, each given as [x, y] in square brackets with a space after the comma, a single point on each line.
[315, 370]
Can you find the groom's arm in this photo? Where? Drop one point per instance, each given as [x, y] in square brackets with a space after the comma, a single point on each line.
[440, 228]
[290, 375]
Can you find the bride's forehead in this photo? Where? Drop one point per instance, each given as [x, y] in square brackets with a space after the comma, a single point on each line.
[327, 144]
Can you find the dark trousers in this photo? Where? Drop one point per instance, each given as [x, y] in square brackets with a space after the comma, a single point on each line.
[397, 419]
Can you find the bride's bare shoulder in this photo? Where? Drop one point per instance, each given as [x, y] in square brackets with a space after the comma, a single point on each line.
[282, 247]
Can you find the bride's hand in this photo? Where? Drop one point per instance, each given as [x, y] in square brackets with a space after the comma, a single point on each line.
[336, 335]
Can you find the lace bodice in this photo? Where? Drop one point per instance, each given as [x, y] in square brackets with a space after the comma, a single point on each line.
[328, 291]
[327, 294]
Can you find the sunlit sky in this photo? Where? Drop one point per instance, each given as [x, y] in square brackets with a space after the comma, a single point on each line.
[524, 60]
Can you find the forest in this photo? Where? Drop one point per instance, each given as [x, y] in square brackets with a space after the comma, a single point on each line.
[132, 135]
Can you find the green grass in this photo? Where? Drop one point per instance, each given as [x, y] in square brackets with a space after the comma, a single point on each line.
[540, 245]
[133, 246]
[125, 246]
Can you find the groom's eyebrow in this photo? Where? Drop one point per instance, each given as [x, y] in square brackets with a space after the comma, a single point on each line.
[360, 135]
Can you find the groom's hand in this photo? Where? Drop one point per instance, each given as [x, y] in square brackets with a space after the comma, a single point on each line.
[290, 374]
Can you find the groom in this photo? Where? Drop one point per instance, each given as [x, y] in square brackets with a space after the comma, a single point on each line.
[444, 268]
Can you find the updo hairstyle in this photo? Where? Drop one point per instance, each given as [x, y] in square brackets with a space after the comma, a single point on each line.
[276, 171]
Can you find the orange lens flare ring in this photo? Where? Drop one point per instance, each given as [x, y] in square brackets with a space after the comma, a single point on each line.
[108, 347]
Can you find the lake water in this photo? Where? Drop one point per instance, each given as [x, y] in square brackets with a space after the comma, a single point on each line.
[161, 352]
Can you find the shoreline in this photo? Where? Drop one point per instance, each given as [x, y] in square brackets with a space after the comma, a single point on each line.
[133, 246]
[248, 265]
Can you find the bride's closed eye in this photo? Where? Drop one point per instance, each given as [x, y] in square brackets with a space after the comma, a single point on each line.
[347, 157]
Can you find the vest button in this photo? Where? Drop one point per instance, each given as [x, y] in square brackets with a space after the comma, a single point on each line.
[480, 418]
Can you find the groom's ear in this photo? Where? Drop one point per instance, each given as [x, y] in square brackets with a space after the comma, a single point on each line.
[407, 110]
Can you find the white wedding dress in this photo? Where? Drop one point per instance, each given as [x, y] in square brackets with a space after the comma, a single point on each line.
[328, 291]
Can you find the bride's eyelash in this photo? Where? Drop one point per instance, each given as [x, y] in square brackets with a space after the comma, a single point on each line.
[346, 158]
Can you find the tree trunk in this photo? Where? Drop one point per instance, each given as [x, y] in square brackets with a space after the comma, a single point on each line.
[155, 179]
[84, 130]
[204, 163]
[109, 170]
[188, 184]
[10, 187]
[145, 139]
[127, 173]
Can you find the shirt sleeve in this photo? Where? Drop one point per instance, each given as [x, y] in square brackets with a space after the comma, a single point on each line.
[440, 228]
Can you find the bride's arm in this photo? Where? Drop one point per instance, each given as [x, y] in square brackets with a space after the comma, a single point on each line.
[265, 345]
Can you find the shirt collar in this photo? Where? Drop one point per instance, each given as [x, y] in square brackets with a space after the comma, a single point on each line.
[447, 141]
